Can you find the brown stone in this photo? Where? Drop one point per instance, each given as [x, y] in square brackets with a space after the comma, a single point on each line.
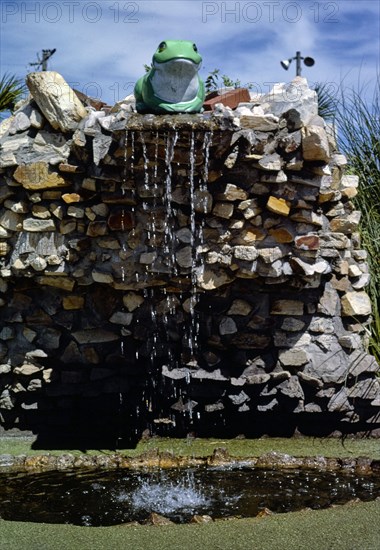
[36, 176]
[71, 197]
[250, 236]
[73, 302]
[58, 282]
[278, 206]
[246, 340]
[232, 193]
[307, 242]
[121, 221]
[223, 210]
[287, 307]
[228, 99]
[281, 235]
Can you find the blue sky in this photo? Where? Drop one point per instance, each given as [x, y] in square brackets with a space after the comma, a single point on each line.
[101, 46]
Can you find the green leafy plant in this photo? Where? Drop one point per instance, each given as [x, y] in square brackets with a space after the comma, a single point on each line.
[358, 128]
[11, 91]
[215, 80]
[327, 103]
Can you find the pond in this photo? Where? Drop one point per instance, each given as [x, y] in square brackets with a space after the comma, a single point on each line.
[118, 496]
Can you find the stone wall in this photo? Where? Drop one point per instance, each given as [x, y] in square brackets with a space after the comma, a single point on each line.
[180, 273]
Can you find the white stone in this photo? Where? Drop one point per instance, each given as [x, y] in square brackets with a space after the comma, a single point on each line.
[246, 253]
[227, 326]
[294, 95]
[36, 225]
[355, 303]
[121, 318]
[56, 99]
[101, 277]
[132, 301]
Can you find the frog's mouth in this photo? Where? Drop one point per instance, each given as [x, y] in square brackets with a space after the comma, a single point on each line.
[176, 80]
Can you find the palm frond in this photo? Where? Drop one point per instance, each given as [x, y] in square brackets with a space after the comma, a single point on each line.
[11, 91]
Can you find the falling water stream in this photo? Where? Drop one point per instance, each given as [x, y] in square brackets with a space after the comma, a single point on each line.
[145, 173]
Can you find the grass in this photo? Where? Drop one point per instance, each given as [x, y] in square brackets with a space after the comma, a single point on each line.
[303, 446]
[358, 124]
[349, 527]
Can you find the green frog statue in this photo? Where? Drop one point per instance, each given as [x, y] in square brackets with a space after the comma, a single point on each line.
[172, 85]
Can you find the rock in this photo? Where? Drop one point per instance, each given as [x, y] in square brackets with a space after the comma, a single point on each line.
[310, 380]
[333, 240]
[223, 210]
[20, 123]
[295, 101]
[12, 149]
[260, 121]
[246, 253]
[272, 162]
[293, 357]
[158, 520]
[239, 307]
[282, 235]
[199, 519]
[93, 336]
[7, 401]
[182, 406]
[329, 366]
[339, 402]
[355, 304]
[132, 301]
[73, 302]
[307, 242]
[227, 326]
[209, 279]
[361, 363]
[232, 193]
[365, 389]
[184, 257]
[291, 388]
[121, 318]
[315, 145]
[100, 145]
[271, 255]
[322, 325]
[329, 303]
[36, 176]
[278, 206]
[249, 208]
[38, 226]
[246, 340]
[287, 307]
[56, 100]
[203, 201]
[346, 225]
[239, 399]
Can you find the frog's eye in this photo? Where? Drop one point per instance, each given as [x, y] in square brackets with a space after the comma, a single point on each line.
[195, 47]
[162, 47]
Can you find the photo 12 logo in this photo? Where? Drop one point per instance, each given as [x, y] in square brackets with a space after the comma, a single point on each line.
[253, 12]
[54, 12]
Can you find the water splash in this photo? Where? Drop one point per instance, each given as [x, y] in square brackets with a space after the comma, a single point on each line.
[167, 497]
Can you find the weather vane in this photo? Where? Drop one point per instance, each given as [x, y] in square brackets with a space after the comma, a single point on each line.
[309, 62]
[46, 54]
